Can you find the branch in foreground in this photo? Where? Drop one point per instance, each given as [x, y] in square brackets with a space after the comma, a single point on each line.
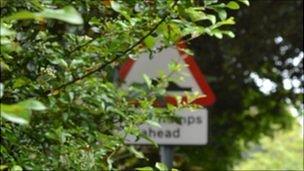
[102, 66]
[81, 46]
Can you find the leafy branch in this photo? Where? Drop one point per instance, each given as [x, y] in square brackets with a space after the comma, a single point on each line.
[82, 46]
[118, 56]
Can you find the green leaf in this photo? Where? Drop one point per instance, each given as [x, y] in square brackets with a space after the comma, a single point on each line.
[161, 166]
[229, 21]
[22, 15]
[144, 136]
[2, 167]
[211, 18]
[233, 5]
[33, 105]
[120, 9]
[229, 33]
[21, 81]
[209, 2]
[144, 169]
[15, 113]
[60, 62]
[174, 66]
[1, 90]
[149, 42]
[246, 2]
[153, 123]
[115, 6]
[188, 51]
[5, 31]
[36, 4]
[16, 168]
[148, 81]
[217, 33]
[76, 62]
[137, 154]
[20, 112]
[67, 14]
[222, 14]
[195, 14]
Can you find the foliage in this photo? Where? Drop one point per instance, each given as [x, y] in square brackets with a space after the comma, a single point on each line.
[285, 147]
[61, 57]
[268, 45]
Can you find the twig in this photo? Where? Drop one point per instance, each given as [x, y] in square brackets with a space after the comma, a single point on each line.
[81, 46]
[102, 66]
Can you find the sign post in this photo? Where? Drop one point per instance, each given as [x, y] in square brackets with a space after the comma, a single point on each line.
[166, 155]
[194, 123]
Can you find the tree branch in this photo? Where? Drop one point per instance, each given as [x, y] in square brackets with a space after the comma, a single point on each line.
[102, 66]
[81, 46]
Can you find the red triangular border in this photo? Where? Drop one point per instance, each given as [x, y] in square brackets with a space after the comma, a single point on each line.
[207, 100]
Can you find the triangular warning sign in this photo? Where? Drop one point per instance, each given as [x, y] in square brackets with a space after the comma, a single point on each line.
[194, 81]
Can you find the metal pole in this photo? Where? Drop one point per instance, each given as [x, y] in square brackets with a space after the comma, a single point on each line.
[166, 155]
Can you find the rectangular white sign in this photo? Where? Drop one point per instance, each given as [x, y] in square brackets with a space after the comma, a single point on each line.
[193, 130]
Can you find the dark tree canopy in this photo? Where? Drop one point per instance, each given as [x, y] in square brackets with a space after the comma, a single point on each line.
[269, 44]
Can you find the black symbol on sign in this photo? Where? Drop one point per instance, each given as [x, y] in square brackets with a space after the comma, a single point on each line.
[173, 86]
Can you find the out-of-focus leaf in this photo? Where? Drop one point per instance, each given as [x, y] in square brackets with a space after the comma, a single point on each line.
[144, 136]
[120, 9]
[229, 33]
[22, 15]
[15, 113]
[161, 166]
[5, 31]
[115, 6]
[209, 2]
[20, 112]
[67, 14]
[148, 81]
[222, 14]
[2, 167]
[149, 42]
[229, 21]
[21, 81]
[137, 154]
[1, 90]
[188, 51]
[218, 34]
[16, 168]
[144, 169]
[233, 5]
[76, 62]
[153, 123]
[195, 14]
[60, 62]
[33, 105]
[246, 2]
[211, 18]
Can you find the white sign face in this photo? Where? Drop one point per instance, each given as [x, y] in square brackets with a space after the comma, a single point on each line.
[159, 63]
[191, 131]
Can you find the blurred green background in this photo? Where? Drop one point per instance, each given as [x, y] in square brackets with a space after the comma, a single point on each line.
[283, 151]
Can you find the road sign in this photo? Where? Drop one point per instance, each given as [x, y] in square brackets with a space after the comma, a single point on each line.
[132, 71]
[193, 129]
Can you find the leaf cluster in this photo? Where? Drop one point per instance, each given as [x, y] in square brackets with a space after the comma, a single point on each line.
[62, 107]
